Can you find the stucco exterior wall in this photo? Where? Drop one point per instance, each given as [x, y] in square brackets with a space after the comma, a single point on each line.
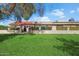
[43, 32]
[56, 32]
[6, 32]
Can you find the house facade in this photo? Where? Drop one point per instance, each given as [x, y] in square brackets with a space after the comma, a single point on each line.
[46, 27]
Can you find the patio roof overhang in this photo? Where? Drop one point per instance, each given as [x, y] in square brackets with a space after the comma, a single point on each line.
[45, 23]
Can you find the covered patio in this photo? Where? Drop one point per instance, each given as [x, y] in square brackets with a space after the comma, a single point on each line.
[47, 27]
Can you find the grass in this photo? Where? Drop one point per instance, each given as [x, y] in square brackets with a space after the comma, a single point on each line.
[39, 45]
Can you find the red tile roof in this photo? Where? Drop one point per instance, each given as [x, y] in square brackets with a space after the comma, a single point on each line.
[24, 23]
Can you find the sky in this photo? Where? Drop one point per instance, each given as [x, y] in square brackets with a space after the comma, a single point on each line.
[53, 12]
[58, 12]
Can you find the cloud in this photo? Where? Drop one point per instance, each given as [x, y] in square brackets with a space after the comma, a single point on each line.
[59, 13]
[62, 20]
[72, 11]
[77, 9]
[62, 9]
[6, 22]
[42, 19]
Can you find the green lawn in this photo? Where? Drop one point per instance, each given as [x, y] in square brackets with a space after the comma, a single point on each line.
[39, 45]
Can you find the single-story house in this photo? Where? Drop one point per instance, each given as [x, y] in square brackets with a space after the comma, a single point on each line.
[28, 26]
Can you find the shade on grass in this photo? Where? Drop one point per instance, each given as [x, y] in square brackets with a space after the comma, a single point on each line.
[39, 45]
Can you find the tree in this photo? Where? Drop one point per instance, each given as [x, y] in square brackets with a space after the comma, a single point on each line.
[6, 10]
[71, 20]
[20, 10]
[40, 9]
[25, 10]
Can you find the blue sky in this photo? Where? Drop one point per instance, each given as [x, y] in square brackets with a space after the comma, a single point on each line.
[59, 11]
[54, 12]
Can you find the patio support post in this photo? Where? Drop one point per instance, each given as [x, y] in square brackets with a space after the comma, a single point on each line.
[27, 29]
[68, 28]
[39, 29]
[20, 29]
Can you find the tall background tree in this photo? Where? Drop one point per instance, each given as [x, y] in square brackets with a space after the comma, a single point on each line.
[40, 9]
[24, 10]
